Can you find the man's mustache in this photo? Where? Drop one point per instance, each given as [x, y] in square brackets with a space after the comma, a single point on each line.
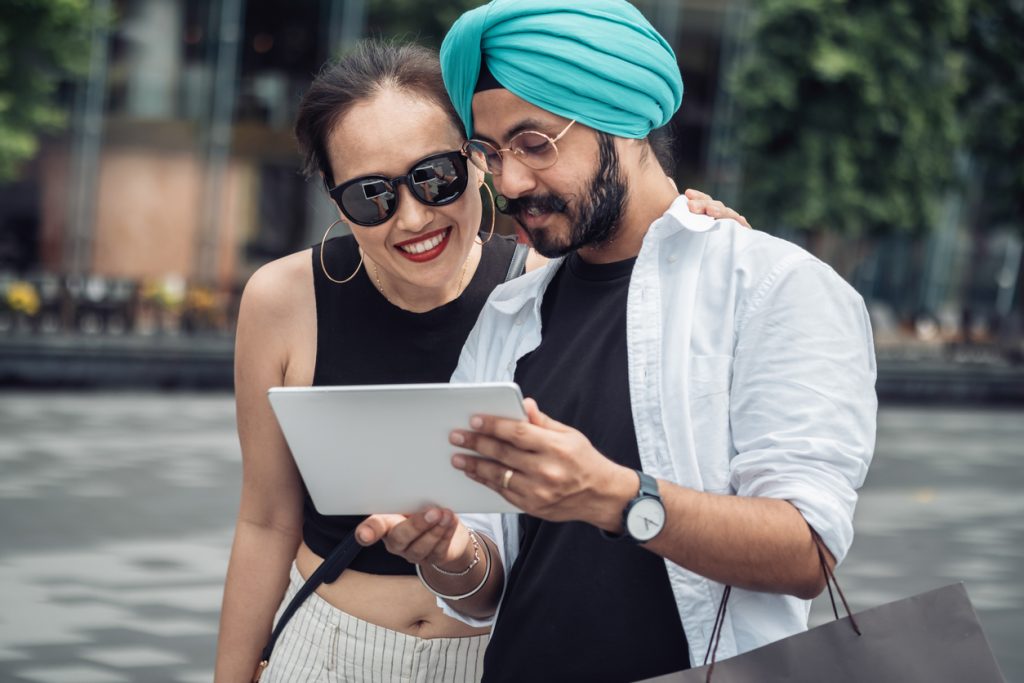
[548, 203]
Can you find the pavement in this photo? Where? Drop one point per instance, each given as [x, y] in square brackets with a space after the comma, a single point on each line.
[116, 516]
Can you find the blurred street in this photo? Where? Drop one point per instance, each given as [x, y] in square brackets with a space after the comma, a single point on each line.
[116, 515]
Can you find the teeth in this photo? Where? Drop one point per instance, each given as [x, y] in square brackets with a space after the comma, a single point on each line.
[425, 245]
[533, 211]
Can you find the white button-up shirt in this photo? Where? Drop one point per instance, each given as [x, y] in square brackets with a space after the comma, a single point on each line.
[751, 372]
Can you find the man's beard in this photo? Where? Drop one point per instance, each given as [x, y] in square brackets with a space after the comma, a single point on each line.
[595, 219]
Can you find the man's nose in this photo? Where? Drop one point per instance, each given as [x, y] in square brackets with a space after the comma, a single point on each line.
[516, 178]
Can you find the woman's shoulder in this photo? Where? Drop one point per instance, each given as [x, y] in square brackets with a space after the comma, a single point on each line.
[276, 288]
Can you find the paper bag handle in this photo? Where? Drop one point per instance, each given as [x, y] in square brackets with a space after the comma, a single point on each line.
[830, 579]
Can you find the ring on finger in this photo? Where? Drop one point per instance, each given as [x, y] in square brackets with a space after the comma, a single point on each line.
[507, 477]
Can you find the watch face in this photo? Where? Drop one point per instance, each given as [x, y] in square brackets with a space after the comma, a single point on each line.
[645, 519]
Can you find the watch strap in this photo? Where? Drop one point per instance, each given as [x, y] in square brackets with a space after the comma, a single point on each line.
[648, 489]
[648, 485]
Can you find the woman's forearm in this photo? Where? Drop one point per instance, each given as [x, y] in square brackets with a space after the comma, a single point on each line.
[256, 582]
[486, 581]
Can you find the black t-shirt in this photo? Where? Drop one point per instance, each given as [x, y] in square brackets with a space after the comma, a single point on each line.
[364, 339]
[579, 606]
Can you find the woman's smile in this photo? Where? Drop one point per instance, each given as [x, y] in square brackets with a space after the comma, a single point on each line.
[425, 247]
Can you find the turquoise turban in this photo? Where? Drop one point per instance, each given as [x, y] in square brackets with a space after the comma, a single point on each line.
[599, 62]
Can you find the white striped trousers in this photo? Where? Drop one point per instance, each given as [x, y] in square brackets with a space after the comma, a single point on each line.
[321, 643]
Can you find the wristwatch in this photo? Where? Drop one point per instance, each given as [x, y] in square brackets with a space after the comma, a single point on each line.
[644, 516]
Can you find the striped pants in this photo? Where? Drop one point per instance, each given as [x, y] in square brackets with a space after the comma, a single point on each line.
[322, 643]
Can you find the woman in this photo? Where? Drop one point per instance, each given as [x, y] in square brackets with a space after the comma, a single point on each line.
[392, 303]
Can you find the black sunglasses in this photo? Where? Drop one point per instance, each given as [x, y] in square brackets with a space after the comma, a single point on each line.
[372, 199]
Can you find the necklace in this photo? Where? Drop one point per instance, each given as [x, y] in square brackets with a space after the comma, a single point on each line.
[458, 291]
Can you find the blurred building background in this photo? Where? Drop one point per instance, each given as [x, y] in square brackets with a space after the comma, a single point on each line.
[149, 167]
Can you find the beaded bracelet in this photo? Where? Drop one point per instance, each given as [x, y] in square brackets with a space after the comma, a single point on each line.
[473, 563]
[473, 591]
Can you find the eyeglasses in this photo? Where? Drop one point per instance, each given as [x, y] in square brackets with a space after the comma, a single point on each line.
[373, 199]
[533, 149]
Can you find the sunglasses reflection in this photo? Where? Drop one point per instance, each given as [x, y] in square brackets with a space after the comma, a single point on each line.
[381, 195]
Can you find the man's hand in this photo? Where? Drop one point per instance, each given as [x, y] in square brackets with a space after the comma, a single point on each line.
[545, 468]
[702, 203]
[434, 535]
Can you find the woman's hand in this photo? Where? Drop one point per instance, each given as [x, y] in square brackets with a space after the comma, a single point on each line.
[702, 203]
[434, 535]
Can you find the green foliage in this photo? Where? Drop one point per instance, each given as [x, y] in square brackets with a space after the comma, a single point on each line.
[848, 112]
[41, 43]
[423, 22]
[993, 109]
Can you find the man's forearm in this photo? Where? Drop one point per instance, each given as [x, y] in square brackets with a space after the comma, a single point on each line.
[760, 544]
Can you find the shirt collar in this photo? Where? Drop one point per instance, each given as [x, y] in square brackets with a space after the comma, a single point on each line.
[679, 213]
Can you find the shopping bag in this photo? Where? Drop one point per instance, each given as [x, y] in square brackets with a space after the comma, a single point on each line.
[934, 637]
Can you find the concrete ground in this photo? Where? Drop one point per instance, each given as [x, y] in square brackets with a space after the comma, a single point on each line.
[116, 514]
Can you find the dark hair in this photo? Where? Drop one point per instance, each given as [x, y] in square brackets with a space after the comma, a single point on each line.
[662, 142]
[369, 68]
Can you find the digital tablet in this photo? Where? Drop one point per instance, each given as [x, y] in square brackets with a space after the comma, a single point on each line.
[384, 448]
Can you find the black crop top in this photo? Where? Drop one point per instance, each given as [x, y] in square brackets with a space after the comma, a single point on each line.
[364, 339]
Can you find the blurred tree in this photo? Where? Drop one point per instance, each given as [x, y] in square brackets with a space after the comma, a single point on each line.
[993, 110]
[42, 42]
[424, 22]
[848, 111]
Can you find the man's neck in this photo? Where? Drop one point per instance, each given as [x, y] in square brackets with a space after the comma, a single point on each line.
[650, 196]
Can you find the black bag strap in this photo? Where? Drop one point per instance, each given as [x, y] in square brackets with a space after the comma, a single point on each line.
[328, 572]
[517, 266]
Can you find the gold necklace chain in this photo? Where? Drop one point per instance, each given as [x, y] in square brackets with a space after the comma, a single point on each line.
[458, 292]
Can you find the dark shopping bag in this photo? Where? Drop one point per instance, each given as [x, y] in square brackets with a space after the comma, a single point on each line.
[934, 637]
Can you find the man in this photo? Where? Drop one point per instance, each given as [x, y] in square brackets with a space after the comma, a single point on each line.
[701, 395]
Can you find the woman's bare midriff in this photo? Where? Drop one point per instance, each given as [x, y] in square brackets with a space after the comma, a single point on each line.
[399, 603]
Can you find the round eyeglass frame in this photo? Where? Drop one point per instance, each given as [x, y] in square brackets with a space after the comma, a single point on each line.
[517, 152]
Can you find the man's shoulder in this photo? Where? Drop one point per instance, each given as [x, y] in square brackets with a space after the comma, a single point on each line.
[740, 248]
[741, 268]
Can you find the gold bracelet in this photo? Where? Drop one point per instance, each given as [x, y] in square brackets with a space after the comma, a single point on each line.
[474, 591]
[476, 558]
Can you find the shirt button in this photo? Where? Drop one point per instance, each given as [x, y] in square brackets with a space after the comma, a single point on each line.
[673, 258]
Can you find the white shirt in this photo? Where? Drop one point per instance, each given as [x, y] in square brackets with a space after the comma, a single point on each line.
[751, 371]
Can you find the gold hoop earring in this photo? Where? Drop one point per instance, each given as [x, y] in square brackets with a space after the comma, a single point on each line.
[494, 210]
[323, 266]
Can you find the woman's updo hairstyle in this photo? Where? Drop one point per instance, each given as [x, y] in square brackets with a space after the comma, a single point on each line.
[371, 67]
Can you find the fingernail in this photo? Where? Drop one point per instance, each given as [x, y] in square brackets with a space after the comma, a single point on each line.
[459, 462]
[445, 520]
[476, 422]
[364, 535]
[457, 438]
[432, 515]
